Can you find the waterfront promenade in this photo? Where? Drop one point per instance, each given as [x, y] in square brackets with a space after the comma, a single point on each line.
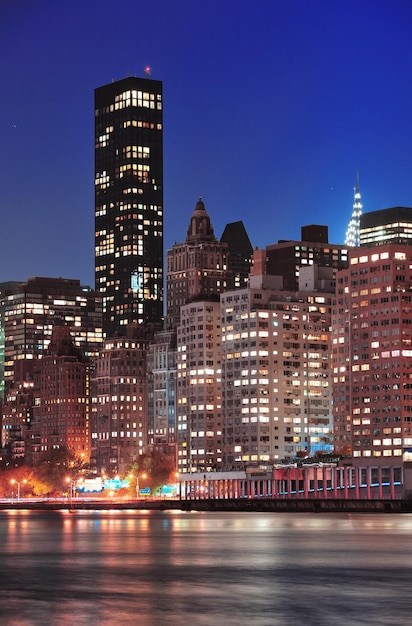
[309, 505]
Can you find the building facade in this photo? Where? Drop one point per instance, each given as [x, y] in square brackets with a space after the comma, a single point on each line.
[287, 257]
[4, 287]
[119, 413]
[161, 391]
[129, 202]
[33, 308]
[197, 268]
[276, 379]
[386, 226]
[198, 390]
[17, 410]
[61, 412]
[372, 354]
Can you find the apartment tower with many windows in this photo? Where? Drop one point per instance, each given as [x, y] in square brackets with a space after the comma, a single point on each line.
[276, 378]
[372, 354]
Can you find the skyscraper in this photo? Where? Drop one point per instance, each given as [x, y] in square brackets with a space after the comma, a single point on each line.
[129, 202]
[353, 230]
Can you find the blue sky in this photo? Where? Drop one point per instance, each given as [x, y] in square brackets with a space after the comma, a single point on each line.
[268, 107]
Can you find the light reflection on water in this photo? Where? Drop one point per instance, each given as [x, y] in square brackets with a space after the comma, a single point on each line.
[172, 568]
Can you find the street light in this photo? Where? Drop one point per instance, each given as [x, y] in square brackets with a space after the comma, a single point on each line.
[18, 483]
[143, 476]
[137, 484]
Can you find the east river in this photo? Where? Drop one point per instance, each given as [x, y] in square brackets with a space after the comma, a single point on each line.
[152, 568]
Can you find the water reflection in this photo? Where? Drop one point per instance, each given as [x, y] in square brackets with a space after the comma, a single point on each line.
[152, 568]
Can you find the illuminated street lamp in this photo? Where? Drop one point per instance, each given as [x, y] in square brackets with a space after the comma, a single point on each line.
[144, 476]
[18, 483]
[137, 482]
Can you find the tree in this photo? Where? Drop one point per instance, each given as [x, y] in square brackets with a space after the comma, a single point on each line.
[29, 484]
[54, 468]
[158, 468]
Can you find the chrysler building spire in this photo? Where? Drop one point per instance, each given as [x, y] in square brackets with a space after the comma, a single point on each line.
[353, 230]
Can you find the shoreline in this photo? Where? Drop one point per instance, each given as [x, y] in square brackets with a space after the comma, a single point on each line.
[236, 505]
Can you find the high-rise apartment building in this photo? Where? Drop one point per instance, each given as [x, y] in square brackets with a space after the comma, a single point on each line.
[386, 226]
[198, 390]
[119, 414]
[276, 378]
[372, 354]
[129, 202]
[197, 268]
[32, 309]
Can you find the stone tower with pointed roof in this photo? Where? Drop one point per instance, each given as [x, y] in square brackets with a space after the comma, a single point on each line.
[200, 227]
[198, 268]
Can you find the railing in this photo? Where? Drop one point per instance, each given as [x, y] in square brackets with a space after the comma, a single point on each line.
[321, 481]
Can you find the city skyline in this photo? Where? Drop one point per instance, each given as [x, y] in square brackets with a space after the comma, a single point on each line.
[266, 113]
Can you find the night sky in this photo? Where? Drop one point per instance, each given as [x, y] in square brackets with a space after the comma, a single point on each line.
[268, 107]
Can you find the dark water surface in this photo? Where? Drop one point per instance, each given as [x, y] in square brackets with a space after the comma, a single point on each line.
[175, 568]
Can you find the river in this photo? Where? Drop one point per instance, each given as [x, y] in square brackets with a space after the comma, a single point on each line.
[152, 568]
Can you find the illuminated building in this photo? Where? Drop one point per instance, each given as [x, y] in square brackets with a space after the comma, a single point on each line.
[3, 287]
[18, 409]
[352, 238]
[276, 379]
[61, 413]
[119, 415]
[161, 384]
[197, 272]
[31, 310]
[372, 354]
[198, 389]
[197, 268]
[286, 257]
[129, 202]
[386, 226]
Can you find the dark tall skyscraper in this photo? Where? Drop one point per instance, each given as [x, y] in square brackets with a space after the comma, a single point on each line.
[129, 202]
